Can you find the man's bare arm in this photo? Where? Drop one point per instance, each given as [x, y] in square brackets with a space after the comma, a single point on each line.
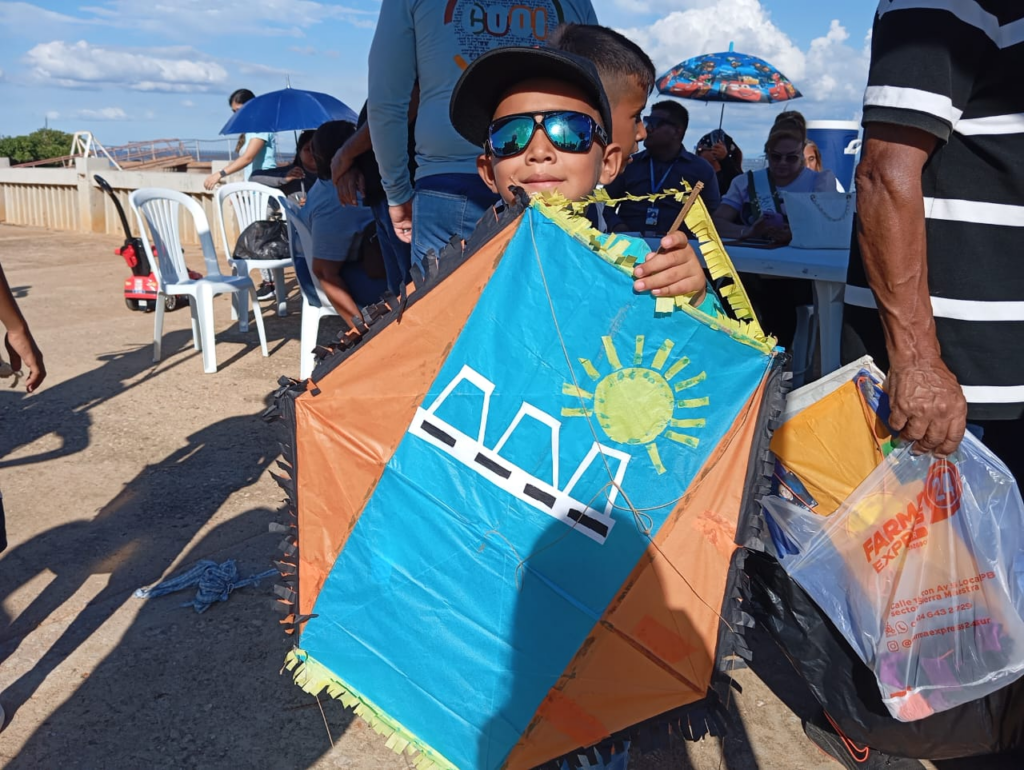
[355, 146]
[928, 405]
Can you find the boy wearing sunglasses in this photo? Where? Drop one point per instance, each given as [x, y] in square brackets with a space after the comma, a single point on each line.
[544, 123]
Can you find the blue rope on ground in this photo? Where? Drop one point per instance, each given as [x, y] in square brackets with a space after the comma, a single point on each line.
[215, 581]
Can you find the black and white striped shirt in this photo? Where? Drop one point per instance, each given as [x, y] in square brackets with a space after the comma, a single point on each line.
[955, 68]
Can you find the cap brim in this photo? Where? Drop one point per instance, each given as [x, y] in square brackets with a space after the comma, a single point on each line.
[486, 81]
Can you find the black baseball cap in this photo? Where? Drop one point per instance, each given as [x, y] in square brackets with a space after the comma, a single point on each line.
[486, 81]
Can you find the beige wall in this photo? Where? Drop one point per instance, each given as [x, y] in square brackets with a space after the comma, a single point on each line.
[70, 199]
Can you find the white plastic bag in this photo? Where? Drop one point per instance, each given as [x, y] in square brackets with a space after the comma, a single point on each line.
[820, 220]
[922, 570]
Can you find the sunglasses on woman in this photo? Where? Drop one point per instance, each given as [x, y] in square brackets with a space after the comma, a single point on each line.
[789, 157]
[567, 131]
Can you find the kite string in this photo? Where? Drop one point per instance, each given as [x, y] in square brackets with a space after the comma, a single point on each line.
[644, 523]
[326, 726]
[572, 372]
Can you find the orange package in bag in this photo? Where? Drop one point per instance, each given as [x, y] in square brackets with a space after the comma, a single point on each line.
[832, 445]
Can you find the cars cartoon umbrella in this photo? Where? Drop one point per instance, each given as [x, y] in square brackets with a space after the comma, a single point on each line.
[515, 524]
[727, 77]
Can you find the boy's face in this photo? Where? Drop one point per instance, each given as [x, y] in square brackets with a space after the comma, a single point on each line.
[627, 102]
[542, 168]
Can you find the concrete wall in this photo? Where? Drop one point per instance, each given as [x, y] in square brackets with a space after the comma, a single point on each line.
[70, 199]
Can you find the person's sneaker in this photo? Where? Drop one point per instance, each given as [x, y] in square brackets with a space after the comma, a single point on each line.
[265, 291]
[852, 756]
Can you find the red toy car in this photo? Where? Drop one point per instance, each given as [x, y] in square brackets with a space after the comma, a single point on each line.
[744, 91]
[140, 291]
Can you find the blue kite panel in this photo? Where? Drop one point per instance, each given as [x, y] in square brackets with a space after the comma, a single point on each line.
[500, 529]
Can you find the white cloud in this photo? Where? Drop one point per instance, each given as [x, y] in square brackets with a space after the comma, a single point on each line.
[654, 6]
[83, 64]
[188, 103]
[831, 73]
[105, 113]
[682, 34]
[52, 115]
[833, 69]
[18, 17]
[253, 17]
[262, 70]
[308, 50]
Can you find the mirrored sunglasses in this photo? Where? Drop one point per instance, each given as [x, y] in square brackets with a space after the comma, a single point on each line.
[567, 131]
[789, 157]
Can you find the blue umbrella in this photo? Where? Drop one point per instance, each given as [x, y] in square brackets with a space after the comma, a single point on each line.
[727, 77]
[289, 109]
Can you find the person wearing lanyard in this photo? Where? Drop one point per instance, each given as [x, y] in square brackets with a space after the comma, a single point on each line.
[662, 165]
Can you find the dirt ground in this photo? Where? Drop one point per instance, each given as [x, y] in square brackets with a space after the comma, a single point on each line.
[120, 472]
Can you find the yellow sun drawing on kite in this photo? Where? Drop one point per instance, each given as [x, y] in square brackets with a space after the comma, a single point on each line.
[639, 404]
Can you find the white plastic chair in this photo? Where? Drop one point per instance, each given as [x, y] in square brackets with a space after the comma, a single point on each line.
[300, 241]
[160, 209]
[250, 201]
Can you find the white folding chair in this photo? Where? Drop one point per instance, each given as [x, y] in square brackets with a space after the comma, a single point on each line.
[160, 209]
[249, 201]
[301, 242]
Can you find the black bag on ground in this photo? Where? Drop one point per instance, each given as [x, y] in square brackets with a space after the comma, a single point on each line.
[848, 691]
[264, 239]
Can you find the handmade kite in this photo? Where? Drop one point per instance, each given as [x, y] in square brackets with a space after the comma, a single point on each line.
[517, 499]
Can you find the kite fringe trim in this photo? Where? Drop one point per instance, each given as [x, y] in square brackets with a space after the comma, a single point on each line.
[732, 642]
[612, 248]
[314, 678]
[692, 722]
[761, 468]
[286, 590]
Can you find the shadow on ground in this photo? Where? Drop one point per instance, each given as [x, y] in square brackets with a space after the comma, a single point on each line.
[182, 689]
[171, 688]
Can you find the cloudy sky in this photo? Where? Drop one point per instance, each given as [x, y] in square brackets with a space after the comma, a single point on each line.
[130, 70]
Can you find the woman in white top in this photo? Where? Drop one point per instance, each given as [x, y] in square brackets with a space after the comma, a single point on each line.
[761, 214]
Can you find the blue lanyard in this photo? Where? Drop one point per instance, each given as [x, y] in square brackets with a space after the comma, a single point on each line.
[659, 187]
